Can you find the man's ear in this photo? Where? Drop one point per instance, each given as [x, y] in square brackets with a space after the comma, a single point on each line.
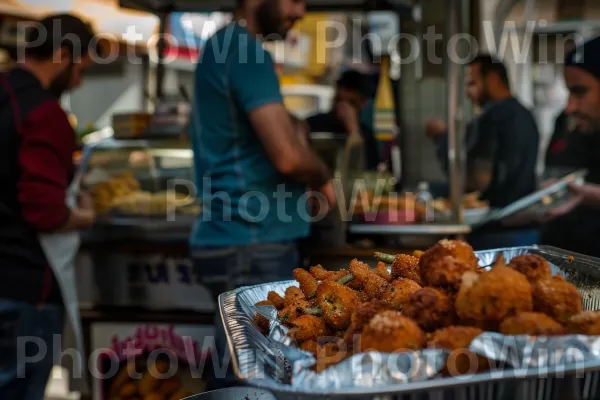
[62, 56]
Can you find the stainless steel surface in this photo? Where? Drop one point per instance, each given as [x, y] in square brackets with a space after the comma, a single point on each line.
[270, 364]
[414, 229]
[455, 116]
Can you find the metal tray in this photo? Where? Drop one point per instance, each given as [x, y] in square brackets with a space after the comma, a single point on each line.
[261, 362]
[535, 198]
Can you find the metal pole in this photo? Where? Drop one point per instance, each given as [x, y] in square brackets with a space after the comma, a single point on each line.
[455, 85]
[161, 45]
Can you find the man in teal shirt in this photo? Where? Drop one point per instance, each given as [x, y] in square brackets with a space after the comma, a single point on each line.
[252, 163]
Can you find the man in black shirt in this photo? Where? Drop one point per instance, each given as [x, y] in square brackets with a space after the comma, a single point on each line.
[502, 143]
[352, 93]
[580, 215]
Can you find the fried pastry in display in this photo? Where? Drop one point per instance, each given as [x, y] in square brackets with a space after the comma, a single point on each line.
[337, 303]
[457, 339]
[406, 266]
[447, 272]
[308, 327]
[430, 308]
[531, 323]
[395, 294]
[362, 316]
[485, 299]
[390, 332]
[383, 272]
[457, 249]
[585, 323]
[557, 298]
[534, 267]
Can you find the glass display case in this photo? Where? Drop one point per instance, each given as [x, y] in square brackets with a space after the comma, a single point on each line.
[140, 178]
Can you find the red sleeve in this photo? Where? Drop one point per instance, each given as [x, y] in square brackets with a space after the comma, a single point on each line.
[45, 161]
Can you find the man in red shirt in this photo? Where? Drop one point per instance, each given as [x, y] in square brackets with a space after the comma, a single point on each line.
[36, 150]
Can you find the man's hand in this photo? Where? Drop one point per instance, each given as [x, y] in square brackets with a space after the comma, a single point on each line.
[435, 127]
[85, 201]
[328, 190]
[348, 116]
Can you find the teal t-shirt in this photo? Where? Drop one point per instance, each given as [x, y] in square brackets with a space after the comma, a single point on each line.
[245, 199]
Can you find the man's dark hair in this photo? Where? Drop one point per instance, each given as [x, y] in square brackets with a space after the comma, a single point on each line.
[489, 64]
[355, 81]
[60, 31]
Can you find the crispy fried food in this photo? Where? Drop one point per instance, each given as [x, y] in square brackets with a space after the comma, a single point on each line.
[499, 261]
[338, 303]
[405, 266]
[430, 308]
[585, 323]
[262, 322]
[309, 346]
[292, 295]
[383, 272]
[319, 273]
[534, 267]
[531, 323]
[389, 332]
[418, 253]
[557, 298]
[362, 315]
[374, 285]
[308, 327]
[330, 353]
[337, 275]
[308, 284]
[276, 300]
[457, 339]
[289, 313]
[264, 303]
[458, 249]
[398, 293]
[447, 272]
[485, 299]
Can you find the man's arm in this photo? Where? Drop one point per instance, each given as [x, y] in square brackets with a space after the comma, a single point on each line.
[255, 87]
[44, 161]
[288, 152]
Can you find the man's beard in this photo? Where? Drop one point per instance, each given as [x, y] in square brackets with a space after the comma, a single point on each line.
[60, 84]
[270, 21]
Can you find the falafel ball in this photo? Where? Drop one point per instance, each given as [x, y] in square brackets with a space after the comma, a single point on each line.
[557, 298]
[457, 339]
[485, 299]
[458, 249]
[390, 332]
[447, 272]
[585, 323]
[534, 267]
[430, 308]
[531, 323]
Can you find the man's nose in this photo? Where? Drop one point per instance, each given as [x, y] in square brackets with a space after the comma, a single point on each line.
[571, 105]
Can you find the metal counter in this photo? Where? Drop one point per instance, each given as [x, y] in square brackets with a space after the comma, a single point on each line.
[411, 229]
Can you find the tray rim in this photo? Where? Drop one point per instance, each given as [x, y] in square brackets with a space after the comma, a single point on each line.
[487, 377]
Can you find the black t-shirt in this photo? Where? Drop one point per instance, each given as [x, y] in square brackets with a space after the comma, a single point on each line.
[328, 122]
[508, 138]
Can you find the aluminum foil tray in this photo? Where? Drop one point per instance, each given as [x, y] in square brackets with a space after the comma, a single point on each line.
[526, 367]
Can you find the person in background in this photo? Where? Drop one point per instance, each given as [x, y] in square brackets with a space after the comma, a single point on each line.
[575, 224]
[502, 143]
[252, 164]
[352, 93]
[36, 166]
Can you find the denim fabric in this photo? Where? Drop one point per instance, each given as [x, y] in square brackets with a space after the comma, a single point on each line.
[27, 348]
[225, 269]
